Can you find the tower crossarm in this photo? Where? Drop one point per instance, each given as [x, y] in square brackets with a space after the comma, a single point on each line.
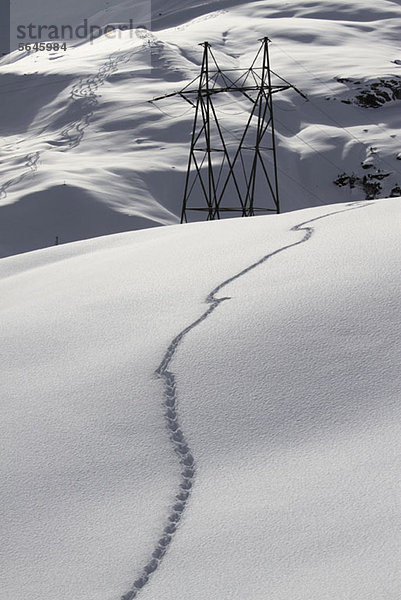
[231, 172]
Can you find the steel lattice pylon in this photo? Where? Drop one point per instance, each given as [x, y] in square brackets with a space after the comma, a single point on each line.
[225, 177]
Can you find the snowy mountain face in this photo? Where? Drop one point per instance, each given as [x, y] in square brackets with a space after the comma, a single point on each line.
[85, 154]
[207, 411]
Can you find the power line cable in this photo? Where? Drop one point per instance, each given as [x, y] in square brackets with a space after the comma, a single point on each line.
[282, 171]
[329, 115]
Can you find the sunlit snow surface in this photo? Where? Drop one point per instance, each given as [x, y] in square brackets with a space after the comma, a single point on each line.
[287, 393]
[84, 154]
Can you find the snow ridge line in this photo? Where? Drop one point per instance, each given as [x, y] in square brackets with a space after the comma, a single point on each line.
[170, 402]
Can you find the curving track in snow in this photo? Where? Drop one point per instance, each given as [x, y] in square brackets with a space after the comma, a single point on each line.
[31, 164]
[83, 95]
[170, 405]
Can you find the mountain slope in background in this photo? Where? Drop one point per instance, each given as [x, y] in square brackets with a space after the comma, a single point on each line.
[84, 154]
[284, 384]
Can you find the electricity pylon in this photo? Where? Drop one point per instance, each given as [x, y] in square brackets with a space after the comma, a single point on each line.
[225, 176]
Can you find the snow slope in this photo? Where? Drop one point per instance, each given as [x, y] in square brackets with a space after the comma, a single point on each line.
[284, 385]
[83, 153]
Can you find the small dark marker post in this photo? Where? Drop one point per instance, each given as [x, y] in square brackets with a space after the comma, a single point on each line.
[56, 240]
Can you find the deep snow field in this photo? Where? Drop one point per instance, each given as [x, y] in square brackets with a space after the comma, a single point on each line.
[264, 455]
[83, 153]
[206, 411]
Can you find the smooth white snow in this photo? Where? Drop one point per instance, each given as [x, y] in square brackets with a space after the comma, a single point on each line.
[288, 395]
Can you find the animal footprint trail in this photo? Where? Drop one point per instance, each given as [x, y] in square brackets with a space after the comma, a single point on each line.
[170, 405]
[30, 164]
[84, 96]
[72, 135]
[84, 93]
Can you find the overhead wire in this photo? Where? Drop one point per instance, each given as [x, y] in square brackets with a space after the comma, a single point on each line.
[296, 135]
[350, 134]
[281, 170]
[300, 139]
[170, 116]
[328, 115]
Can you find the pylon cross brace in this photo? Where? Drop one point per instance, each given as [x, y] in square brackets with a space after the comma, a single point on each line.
[249, 180]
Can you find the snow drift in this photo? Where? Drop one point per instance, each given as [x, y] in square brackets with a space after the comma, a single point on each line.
[285, 388]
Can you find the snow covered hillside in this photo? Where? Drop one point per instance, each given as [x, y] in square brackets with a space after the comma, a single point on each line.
[208, 411]
[84, 154]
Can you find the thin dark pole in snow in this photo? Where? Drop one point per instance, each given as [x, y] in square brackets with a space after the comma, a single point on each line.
[270, 102]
